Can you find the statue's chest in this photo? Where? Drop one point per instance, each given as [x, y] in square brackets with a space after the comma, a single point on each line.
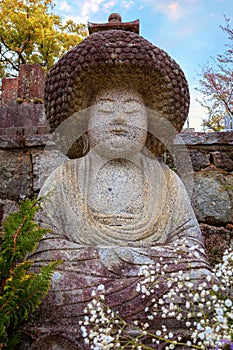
[115, 189]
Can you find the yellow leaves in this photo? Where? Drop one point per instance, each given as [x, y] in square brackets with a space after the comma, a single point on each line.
[30, 32]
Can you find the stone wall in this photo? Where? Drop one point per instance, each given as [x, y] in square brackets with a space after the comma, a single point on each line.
[212, 198]
[28, 155]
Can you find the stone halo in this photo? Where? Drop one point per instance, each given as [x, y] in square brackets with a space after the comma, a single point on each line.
[112, 58]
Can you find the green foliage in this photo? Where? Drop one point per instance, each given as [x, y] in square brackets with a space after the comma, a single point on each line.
[21, 290]
[31, 33]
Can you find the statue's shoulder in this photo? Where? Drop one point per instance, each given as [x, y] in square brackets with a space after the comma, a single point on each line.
[60, 176]
[172, 178]
[68, 167]
[168, 172]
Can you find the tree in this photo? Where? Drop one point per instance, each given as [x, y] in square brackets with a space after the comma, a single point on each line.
[31, 33]
[216, 85]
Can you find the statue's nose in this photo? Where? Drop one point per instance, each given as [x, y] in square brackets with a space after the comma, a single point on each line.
[119, 117]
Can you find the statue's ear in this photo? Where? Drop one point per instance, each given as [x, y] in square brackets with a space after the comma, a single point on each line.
[80, 147]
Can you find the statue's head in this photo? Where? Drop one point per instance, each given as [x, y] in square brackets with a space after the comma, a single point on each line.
[113, 61]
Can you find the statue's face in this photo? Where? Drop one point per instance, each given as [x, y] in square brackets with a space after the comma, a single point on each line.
[117, 126]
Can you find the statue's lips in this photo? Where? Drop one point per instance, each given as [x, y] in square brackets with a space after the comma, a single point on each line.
[119, 132]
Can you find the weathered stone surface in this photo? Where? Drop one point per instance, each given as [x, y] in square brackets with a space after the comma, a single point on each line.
[31, 81]
[213, 197]
[44, 162]
[217, 240]
[223, 160]
[22, 115]
[18, 141]
[81, 272]
[15, 174]
[6, 207]
[200, 160]
[9, 90]
[207, 138]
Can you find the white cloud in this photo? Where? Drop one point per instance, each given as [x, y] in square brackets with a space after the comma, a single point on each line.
[109, 5]
[174, 9]
[75, 19]
[64, 6]
[127, 4]
[90, 7]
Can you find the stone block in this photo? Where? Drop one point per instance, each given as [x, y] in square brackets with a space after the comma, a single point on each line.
[13, 139]
[213, 197]
[28, 115]
[24, 116]
[15, 174]
[6, 207]
[200, 160]
[6, 119]
[31, 81]
[44, 162]
[9, 90]
[223, 160]
[206, 138]
[217, 240]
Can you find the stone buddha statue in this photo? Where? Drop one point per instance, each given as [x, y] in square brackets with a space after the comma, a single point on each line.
[114, 101]
[118, 195]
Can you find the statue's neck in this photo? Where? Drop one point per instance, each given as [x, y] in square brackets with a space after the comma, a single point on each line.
[98, 160]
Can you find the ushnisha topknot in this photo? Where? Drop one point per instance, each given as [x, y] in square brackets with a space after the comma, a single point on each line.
[114, 56]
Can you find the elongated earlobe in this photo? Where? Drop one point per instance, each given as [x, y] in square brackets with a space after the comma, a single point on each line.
[85, 140]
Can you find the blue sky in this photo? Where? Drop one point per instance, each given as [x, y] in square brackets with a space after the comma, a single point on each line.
[188, 30]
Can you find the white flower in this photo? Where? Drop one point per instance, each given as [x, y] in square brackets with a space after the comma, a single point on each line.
[143, 289]
[202, 335]
[208, 330]
[219, 311]
[215, 287]
[228, 302]
[101, 287]
[208, 277]
[199, 327]
[108, 339]
[220, 318]
[158, 333]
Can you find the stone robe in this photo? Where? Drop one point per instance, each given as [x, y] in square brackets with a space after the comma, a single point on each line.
[99, 248]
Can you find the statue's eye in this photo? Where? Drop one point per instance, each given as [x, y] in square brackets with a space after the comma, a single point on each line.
[105, 108]
[105, 111]
[132, 108]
